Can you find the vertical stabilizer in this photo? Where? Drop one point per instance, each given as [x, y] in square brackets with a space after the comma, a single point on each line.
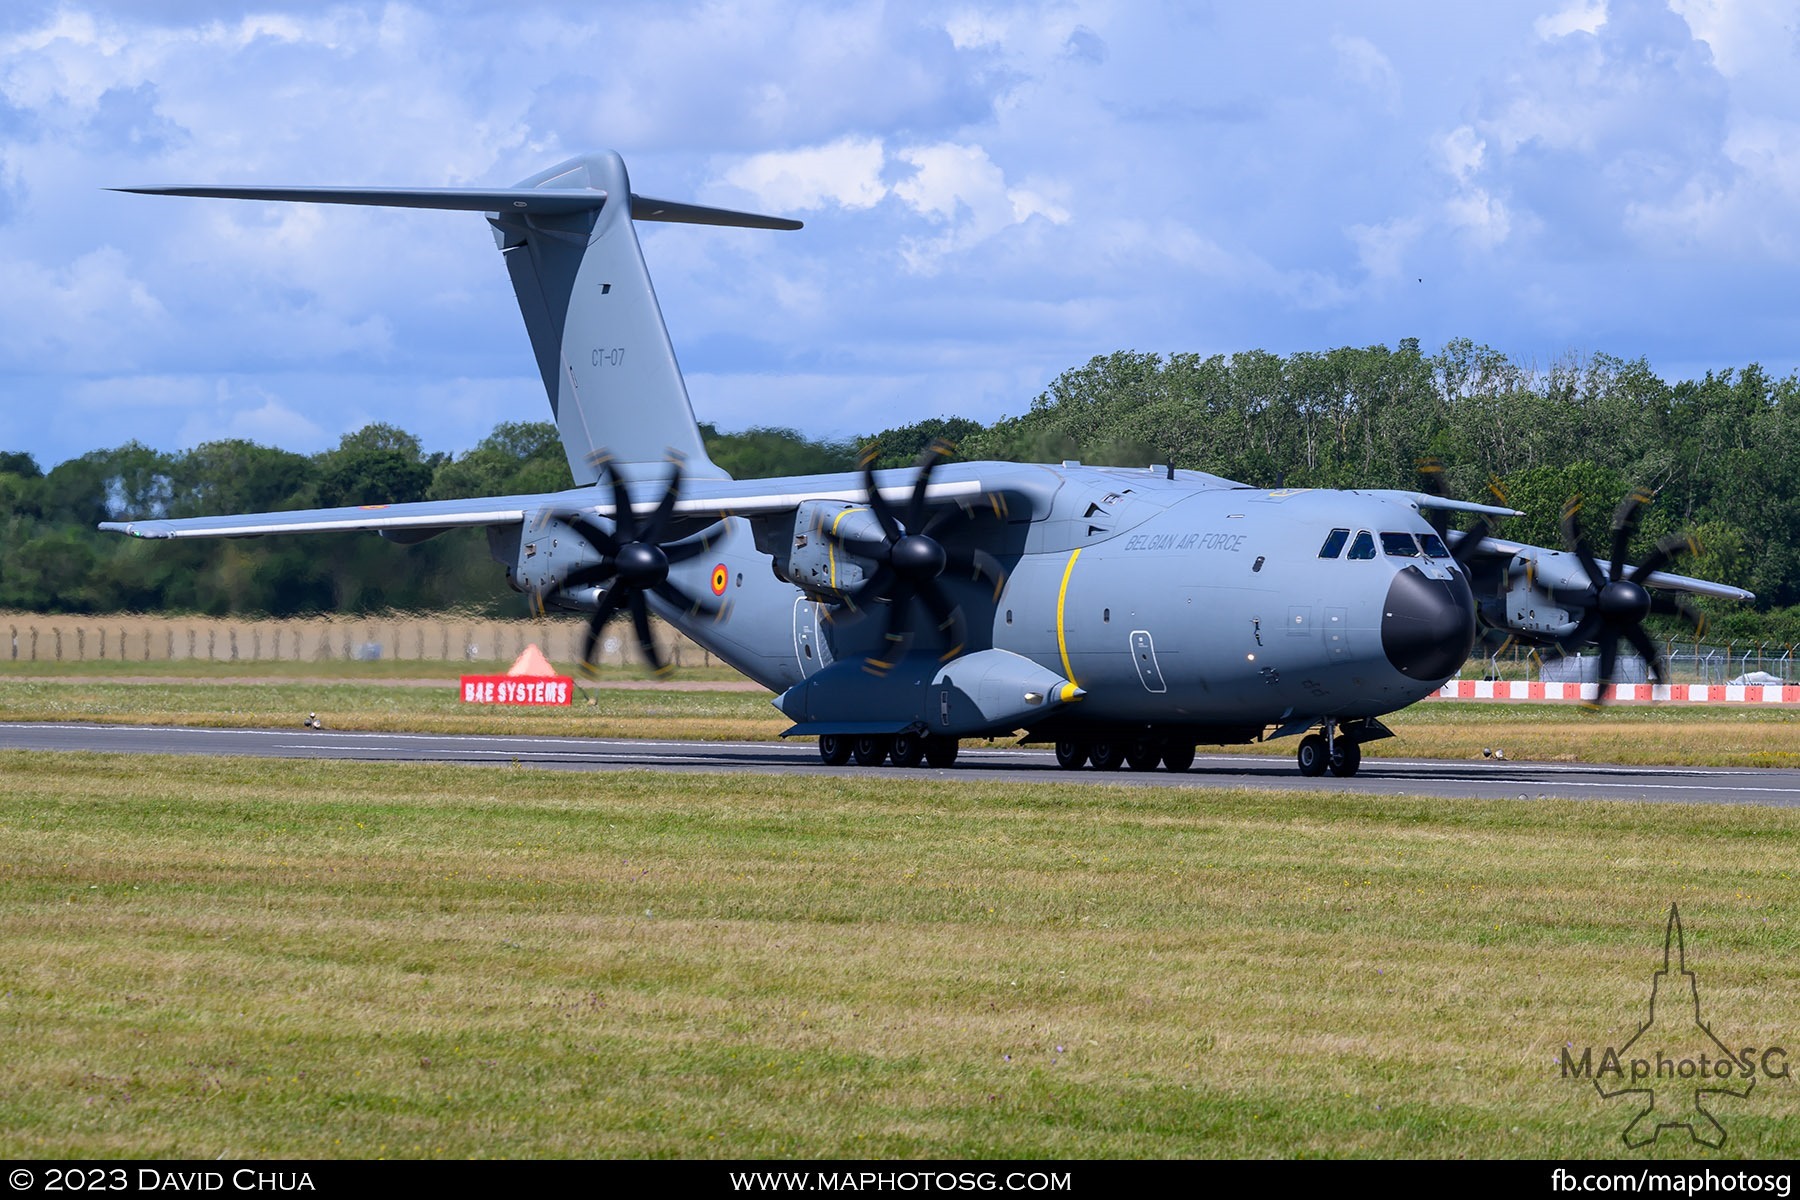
[595, 325]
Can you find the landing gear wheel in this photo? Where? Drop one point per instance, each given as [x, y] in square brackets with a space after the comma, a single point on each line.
[1107, 756]
[1071, 755]
[941, 751]
[1346, 758]
[908, 750]
[1178, 758]
[869, 749]
[1143, 756]
[834, 749]
[1311, 755]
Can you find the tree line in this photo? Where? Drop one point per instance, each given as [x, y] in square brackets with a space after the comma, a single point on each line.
[1723, 452]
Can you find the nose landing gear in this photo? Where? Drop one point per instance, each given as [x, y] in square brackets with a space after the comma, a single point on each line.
[1334, 751]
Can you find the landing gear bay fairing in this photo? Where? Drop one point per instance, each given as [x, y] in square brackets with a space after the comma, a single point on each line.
[1126, 615]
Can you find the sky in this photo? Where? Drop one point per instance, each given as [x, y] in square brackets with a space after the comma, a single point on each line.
[993, 194]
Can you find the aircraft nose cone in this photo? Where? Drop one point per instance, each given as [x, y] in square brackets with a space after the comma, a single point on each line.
[1427, 625]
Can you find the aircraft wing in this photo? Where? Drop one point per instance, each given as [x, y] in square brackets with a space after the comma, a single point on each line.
[415, 521]
[1499, 549]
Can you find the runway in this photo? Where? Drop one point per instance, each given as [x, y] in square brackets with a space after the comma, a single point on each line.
[1484, 779]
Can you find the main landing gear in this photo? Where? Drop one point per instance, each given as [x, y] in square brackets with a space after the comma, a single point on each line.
[1073, 753]
[901, 749]
[1331, 751]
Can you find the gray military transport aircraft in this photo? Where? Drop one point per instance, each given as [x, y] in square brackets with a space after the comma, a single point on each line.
[1124, 614]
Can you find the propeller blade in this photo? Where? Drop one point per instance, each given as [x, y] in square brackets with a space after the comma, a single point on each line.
[861, 547]
[654, 526]
[1470, 542]
[949, 618]
[1584, 632]
[1678, 606]
[872, 590]
[694, 545]
[1647, 650]
[1667, 551]
[640, 620]
[928, 459]
[1572, 539]
[975, 563]
[1431, 482]
[623, 517]
[1624, 526]
[884, 515]
[896, 634]
[591, 574]
[1609, 659]
[596, 537]
[693, 606]
[610, 603]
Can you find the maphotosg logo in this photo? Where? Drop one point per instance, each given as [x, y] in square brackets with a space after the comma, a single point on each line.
[1675, 1067]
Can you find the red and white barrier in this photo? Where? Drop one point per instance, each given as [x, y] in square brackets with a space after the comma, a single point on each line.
[1692, 693]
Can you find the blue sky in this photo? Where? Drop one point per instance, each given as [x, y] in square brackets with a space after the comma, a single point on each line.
[992, 194]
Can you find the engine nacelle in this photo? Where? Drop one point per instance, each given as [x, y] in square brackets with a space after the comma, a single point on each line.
[544, 552]
[806, 557]
[1529, 605]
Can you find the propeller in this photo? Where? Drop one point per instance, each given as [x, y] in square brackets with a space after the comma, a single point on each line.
[1431, 482]
[1615, 602]
[633, 561]
[910, 560]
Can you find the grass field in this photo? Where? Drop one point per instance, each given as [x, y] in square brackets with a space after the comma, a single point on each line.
[295, 959]
[357, 697]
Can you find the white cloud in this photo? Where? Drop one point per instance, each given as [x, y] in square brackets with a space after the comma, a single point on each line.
[1362, 63]
[1463, 152]
[1382, 249]
[1579, 16]
[846, 172]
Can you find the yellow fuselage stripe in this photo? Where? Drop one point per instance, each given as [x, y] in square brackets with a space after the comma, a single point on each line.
[831, 547]
[1062, 597]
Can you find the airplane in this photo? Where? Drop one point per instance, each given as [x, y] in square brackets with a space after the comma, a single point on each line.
[1126, 615]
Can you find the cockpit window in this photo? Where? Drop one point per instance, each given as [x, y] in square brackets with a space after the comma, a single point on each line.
[1399, 545]
[1433, 545]
[1363, 546]
[1334, 543]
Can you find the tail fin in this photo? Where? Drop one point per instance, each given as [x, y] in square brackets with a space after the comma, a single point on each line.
[596, 328]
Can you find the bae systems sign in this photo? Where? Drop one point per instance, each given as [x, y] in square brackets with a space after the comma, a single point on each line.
[1675, 1067]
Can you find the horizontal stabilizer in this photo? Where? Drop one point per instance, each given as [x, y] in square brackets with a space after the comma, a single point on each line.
[533, 201]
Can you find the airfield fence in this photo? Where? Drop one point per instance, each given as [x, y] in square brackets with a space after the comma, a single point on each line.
[1687, 662]
[36, 637]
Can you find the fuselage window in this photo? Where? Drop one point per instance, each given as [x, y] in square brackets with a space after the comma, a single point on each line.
[1363, 546]
[1434, 546]
[1399, 545]
[1334, 543]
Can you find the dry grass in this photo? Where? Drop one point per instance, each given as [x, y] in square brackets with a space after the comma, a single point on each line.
[601, 712]
[296, 959]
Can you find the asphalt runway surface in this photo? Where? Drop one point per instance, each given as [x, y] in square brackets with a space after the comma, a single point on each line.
[1484, 779]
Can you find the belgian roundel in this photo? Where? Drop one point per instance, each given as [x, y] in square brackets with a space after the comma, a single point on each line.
[720, 577]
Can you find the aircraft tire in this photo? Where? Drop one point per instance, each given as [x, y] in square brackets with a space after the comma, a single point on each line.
[1143, 756]
[834, 749]
[941, 751]
[1178, 758]
[1348, 758]
[1071, 755]
[1311, 755]
[870, 749]
[1107, 756]
[908, 750]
